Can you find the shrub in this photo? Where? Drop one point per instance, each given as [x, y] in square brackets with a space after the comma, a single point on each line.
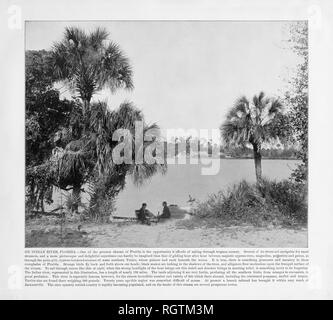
[101, 210]
[72, 202]
[270, 201]
[290, 197]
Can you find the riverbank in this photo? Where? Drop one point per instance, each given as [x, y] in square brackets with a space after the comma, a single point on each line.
[189, 232]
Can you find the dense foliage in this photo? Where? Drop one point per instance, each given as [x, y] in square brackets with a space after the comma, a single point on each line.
[46, 114]
[297, 97]
[69, 143]
[282, 202]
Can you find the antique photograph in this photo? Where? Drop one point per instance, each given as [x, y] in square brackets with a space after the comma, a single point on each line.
[166, 134]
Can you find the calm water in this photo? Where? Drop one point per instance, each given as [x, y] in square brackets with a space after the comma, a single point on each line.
[183, 180]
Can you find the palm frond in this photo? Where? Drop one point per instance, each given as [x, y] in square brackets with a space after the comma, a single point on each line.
[141, 173]
[276, 106]
[126, 116]
[87, 63]
[97, 37]
[240, 108]
[115, 70]
[251, 123]
[59, 61]
[72, 164]
[259, 103]
[234, 134]
[75, 36]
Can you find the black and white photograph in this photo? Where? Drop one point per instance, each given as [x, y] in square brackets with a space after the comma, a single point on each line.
[174, 134]
[154, 151]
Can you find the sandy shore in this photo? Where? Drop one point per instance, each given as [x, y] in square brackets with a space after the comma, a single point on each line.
[173, 233]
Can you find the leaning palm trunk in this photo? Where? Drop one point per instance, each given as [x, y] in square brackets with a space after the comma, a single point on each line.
[257, 161]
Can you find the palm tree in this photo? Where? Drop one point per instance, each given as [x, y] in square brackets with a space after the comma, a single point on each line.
[253, 122]
[89, 63]
[89, 159]
[103, 124]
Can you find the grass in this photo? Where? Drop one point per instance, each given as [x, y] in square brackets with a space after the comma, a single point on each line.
[56, 237]
[270, 202]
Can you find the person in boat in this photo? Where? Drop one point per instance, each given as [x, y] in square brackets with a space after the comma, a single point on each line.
[166, 211]
[144, 214]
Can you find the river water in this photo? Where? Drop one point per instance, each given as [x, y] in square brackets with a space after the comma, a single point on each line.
[180, 181]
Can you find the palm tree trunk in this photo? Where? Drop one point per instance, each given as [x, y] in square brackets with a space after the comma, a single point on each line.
[41, 201]
[86, 106]
[257, 160]
[76, 197]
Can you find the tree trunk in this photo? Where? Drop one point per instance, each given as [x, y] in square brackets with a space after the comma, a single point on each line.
[257, 161]
[41, 201]
[86, 104]
[76, 198]
[86, 107]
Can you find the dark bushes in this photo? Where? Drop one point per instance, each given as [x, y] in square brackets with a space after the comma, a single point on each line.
[283, 202]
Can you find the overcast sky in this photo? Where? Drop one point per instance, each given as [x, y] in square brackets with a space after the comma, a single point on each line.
[188, 74]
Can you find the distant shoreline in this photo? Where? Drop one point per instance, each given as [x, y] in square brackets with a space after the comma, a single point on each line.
[247, 158]
[263, 158]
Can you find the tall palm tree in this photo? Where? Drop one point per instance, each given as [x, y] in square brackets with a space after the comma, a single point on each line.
[89, 62]
[253, 122]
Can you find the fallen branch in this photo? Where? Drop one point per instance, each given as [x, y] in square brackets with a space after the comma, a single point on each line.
[125, 218]
[133, 218]
[50, 213]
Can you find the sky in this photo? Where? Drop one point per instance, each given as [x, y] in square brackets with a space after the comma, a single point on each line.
[188, 74]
